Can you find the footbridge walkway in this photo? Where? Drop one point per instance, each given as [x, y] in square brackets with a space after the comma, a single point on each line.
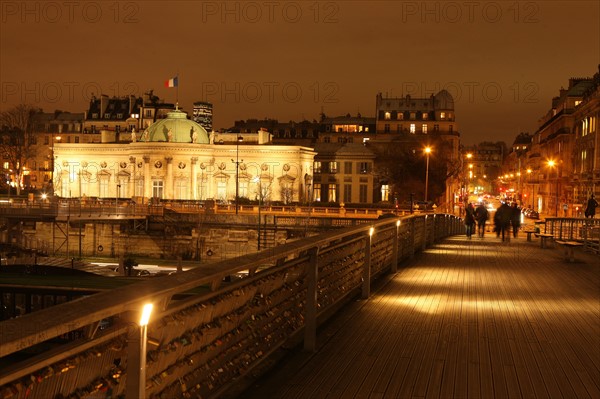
[393, 308]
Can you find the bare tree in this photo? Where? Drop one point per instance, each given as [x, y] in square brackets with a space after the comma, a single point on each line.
[17, 139]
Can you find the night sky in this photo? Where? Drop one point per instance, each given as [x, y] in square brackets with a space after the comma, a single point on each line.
[503, 61]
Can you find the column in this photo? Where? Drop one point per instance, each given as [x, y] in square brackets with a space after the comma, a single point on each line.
[147, 181]
[194, 178]
[133, 178]
[169, 180]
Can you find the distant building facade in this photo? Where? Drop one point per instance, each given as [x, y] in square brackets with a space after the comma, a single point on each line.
[50, 128]
[408, 115]
[343, 173]
[202, 114]
[177, 159]
[557, 189]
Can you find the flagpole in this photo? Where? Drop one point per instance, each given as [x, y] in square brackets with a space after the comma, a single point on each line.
[177, 89]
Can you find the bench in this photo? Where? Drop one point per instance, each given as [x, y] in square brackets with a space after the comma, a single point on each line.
[543, 238]
[529, 233]
[569, 248]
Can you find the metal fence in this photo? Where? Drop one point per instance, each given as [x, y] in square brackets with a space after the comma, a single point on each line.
[584, 230]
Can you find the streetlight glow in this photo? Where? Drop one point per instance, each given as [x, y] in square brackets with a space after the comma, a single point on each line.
[552, 163]
[146, 312]
[427, 152]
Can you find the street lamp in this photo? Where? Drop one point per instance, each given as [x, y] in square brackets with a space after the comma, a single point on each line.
[117, 198]
[552, 163]
[427, 152]
[529, 181]
[57, 138]
[136, 362]
[237, 168]
[257, 180]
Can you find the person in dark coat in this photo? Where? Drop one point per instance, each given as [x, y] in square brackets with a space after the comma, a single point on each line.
[481, 215]
[502, 219]
[590, 209]
[470, 220]
[515, 219]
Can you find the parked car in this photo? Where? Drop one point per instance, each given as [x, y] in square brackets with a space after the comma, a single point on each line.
[531, 214]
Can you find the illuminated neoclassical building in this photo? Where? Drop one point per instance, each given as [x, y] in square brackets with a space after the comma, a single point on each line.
[177, 159]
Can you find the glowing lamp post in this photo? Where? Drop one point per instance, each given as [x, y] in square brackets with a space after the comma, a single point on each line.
[552, 163]
[136, 362]
[427, 152]
[529, 181]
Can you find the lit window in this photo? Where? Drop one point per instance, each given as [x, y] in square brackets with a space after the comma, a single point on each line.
[333, 167]
[400, 116]
[317, 192]
[385, 192]
[157, 189]
[387, 116]
[442, 115]
[577, 102]
[413, 128]
[332, 192]
[424, 128]
[317, 167]
[425, 116]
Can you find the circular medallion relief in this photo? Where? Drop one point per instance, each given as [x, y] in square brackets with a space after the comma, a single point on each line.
[158, 164]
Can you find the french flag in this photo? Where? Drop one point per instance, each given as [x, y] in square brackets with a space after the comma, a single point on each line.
[171, 82]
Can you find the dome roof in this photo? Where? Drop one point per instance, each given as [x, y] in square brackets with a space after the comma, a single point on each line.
[444, 100]
[181, 129]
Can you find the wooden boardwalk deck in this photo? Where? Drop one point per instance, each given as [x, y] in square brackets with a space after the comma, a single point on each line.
[465, 319]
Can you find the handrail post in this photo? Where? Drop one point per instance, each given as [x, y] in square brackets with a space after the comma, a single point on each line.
[366, 286]
[412, 237]
[310, 317]
[394, 266]
[425, 234]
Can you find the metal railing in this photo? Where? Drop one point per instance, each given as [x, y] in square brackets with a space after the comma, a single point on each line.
[212, 324]
[120, 207]
[584, 230]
